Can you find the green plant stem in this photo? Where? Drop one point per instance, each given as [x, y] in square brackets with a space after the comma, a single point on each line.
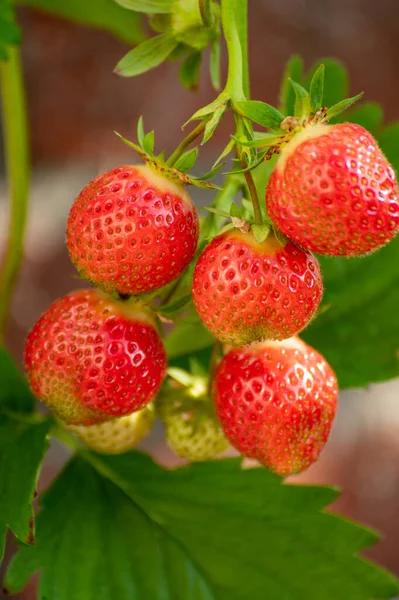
[15, 131]
[205, 7]
[231, 10]
[186, 142]
[242, 29]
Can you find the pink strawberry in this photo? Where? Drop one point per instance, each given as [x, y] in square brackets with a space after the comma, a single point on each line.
[245, 291]
[132, 230]
[91, 358]
[276, 402]
[334, 192]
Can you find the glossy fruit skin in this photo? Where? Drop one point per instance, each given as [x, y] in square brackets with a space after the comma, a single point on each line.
[276, 402]
[334, 192]
[193, 438]
[247, 292]
[90, 358]
[132, 230]
[119, 435]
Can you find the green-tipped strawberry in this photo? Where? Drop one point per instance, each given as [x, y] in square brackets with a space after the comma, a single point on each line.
[119, 435]
[91, 359]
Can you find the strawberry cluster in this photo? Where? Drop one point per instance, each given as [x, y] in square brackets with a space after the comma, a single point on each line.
[97, 359]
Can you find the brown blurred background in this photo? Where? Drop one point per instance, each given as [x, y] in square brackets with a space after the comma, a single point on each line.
[75, 103]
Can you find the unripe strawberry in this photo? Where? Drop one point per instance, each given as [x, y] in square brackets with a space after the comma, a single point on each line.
[276, 402]
[119, 435]
[190, 434]
[245, 291]
[91, 358]
[132, 230]
[334, 192]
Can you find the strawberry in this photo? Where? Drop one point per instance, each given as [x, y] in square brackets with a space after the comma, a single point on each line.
[245, 291]
[192, 440]
[192, 430]
[132, 230]
[276, 402]
[91, 358]
[119, 435]
[334, 192]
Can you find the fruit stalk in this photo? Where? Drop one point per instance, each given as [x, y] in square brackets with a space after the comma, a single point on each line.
[174, 157]
[15, 130]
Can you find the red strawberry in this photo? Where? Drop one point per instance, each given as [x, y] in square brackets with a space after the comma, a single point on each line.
[334, 192]
[276, 402]
[91, 358]
[132, 231]
[246, 292]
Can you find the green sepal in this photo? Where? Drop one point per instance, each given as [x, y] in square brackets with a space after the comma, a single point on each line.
[235, 211]
[149, 143]
[335, 110]
[316, 88]
[187, 160]
[213, 123]
[302, 107]
[260, 231]
[260, 113]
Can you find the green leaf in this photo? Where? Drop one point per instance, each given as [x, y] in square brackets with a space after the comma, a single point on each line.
[358, 333]
[369, 115]
[228, 148]
[149, 143]
[148, 6]
[9, 31]
[146, 56]
[260, 232]
[140, 131]
[187, 339]
[135, 530]
[316, 88]
[343, 105]
[190, 70]
[336, 80]
[388, 141]
[22, 448]
[261, 113]
[293, 70]
[15, 394]
[98, 14]
[214, 64]
[213, 123]
[174, 307]
[302, 101]
[187, 160]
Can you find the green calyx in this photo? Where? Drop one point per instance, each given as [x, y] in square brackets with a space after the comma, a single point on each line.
[309, 111]
[176, 169]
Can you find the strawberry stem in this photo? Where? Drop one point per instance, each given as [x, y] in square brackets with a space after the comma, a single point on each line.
[15, 130]
[174, 157]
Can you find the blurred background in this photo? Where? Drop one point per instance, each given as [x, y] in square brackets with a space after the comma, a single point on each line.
[75, 103]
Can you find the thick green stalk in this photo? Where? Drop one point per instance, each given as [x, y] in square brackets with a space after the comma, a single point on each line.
[15, 131]
[231, 10]
[242, 29]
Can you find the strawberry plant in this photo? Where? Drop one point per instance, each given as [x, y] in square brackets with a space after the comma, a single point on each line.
[194, 319]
